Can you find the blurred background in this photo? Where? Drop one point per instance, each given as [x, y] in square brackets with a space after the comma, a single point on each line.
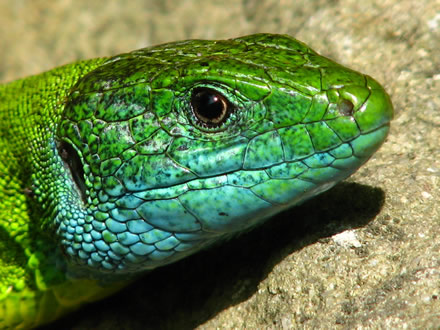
[366, 253]
[37, 35]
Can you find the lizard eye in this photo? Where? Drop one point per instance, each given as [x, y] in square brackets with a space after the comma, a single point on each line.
[210, 107]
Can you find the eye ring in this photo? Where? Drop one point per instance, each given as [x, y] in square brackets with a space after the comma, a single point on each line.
[210, 107]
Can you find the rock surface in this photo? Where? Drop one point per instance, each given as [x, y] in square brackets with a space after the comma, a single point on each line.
[365, 254]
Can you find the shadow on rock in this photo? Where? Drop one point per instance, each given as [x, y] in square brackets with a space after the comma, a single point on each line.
[192, 291]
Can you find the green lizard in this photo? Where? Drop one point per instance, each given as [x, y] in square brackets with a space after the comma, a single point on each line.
[111, 167]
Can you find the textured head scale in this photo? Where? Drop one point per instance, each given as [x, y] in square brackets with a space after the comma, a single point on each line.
[170, 148]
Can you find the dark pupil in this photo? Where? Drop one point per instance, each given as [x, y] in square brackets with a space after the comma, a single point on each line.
[209, 106]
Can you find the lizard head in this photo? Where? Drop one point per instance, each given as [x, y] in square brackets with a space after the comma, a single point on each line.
[165, 150]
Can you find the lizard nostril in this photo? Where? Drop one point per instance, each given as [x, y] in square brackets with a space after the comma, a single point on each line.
[346, 108]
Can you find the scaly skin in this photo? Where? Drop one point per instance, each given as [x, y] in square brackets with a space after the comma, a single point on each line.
[112, 167]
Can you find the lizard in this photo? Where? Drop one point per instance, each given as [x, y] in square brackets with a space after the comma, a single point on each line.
[112, 167]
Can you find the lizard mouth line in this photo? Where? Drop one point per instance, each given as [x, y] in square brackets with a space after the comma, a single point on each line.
[346, 164]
